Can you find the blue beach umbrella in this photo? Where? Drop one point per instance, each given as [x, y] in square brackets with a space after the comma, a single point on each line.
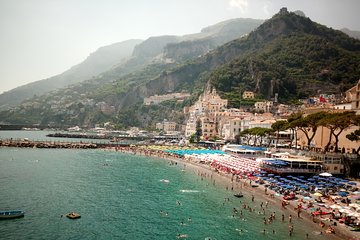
[351, 183]
[270, 175]
[342, 194]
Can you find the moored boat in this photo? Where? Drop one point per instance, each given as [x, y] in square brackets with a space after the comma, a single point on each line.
[11, 214]
[73, 215]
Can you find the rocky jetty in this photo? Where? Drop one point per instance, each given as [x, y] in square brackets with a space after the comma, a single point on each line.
[45, 144]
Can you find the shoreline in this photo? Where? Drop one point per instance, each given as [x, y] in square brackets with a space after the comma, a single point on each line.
[243, 185]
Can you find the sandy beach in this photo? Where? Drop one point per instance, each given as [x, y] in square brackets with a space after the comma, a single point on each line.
[233, 185]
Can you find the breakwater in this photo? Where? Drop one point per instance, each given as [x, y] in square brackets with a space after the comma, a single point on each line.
[46, 144]
[78, 135]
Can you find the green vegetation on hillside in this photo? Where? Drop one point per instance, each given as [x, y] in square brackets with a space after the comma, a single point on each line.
[289, 55]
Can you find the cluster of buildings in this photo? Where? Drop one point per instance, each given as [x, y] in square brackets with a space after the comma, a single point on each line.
[210, 113]
[216, 121]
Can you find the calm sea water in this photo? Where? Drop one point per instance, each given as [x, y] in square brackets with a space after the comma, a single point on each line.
[41, 136]
[120, 196]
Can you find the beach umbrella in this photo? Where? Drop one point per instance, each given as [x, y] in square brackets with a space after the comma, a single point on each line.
[277, 176]
[317, 194]
[342, 194]
[301, 176]
[352, 183]
[307, 198]
[270, 175]
[325, 174]
[289, 176]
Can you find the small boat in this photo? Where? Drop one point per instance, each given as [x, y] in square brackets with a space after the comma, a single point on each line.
[73, 215]
[11, 214]
[238, 195]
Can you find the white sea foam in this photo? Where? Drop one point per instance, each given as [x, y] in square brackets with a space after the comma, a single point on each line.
[189, 191]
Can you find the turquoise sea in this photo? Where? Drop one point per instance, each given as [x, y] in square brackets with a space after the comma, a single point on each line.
[121, 196]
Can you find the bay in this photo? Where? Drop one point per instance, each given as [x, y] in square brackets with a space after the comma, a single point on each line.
[121, 196]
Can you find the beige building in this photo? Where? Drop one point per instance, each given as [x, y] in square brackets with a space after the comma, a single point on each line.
[205, 109]
[208, 127]
[248, 95]
[322, 138]
[190, 127]
[156, 99]
[354, 97]
[262, 123]
[263, 106]
[332, 163]
[343, 106]
[166, 126]
[231, 129]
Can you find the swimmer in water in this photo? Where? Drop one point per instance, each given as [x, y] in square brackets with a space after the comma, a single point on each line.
[181, 236]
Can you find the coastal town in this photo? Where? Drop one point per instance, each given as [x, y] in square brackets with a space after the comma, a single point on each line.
[281, 162]
[243, 125]
[210, 123]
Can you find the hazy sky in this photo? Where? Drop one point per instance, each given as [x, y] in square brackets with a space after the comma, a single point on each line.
[42, 38]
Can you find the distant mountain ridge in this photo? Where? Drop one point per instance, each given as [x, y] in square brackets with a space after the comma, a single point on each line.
[132, 55]
[97, 62]
[351, 33]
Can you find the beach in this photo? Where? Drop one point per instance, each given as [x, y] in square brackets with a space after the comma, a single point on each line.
[259, 194]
